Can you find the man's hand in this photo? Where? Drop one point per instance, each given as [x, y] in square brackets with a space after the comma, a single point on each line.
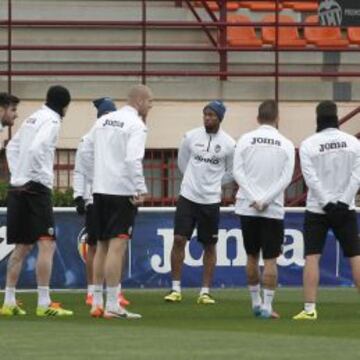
[138, 200]
[80, 205]
[257, 205]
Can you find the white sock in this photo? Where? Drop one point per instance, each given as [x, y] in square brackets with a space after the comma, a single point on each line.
[309, 307]
[176, 286]
[204, 290]
[268, 299]
[10, 299]
[255, 295]
[43, 296]
[112, 298]
[119, 288]
[90, 289]
[98, 296]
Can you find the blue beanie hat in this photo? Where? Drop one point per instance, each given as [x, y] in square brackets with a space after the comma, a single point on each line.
[104, 105]
[218, 107]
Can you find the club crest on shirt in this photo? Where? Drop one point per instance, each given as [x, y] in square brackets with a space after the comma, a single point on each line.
[51, 231]
[217, 148]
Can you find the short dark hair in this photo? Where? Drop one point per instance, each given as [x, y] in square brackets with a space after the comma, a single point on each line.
[326, 108]
[268, 111]
[7, 99]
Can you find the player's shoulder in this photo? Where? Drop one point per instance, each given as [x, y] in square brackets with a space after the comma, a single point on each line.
[227, 139]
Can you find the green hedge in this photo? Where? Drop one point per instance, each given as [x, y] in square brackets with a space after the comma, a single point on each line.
[60, 198]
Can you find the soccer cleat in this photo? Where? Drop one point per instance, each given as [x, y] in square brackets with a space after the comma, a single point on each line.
[97, 312]
[303, 315]
[54, 309]
[12, 310]
[205, 299]
[121, 314]
[123, 302]
[265, 314]
[173, 296]
[89, 299]
[256, 310]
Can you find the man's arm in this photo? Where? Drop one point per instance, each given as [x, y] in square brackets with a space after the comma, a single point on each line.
[354, 184]
[229, 164]
[281, 184]
[13, 151]
[184, 153]
[239, 171]
[135, 152]
[311, 178]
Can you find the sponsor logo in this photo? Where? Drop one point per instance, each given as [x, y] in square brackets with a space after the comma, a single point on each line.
[5, 249]
[267, 141]
[115, 123]
[199, 145]
[332, 146]
[31, 120]
[213, 160]
[330, 13]
[82, 246]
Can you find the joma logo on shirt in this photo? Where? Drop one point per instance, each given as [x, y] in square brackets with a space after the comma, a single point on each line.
[262, 140]
[213, 161]
[31, 120]
[333, 145]
[113, 123]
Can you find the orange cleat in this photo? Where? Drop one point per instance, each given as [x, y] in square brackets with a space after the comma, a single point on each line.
[97, 312]
[122, 301]
[89, 299]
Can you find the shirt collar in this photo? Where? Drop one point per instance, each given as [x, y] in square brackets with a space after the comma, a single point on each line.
[268, 127]
[53, 113]
[131, 109]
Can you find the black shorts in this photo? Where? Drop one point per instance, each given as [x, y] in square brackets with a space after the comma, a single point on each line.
[316, 227]
[260, 233]
[29, 214]
[114, 216]
[206, 217]
[90, 225]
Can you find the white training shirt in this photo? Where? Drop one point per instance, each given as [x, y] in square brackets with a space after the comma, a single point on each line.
[113, 153]
[263, 168]
[30, 153]
[82, 185]
[206, 162]
[330, 163]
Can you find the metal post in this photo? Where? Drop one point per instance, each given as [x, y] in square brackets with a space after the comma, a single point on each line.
[9, 72]
[223, 40]
[143, 60]
[277, 52]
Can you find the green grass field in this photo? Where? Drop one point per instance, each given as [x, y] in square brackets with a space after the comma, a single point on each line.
[226, 330]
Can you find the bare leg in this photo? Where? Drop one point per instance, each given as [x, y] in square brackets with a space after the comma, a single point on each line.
[311, 278]
[15, 263]
[90, 264]
[114, 261]
[44, 261]
[177, 257]
[99, 262]
[209, 262]
[269, 278]
[252, 270]
[355, 268]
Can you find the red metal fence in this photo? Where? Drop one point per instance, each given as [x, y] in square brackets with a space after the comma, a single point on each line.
[160, 165]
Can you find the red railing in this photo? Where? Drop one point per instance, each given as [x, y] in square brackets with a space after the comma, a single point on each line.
[160, 165]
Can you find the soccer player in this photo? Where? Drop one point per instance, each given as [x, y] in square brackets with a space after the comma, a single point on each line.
[114, 152]
[84, 205]
[330, 163]
[263, 168]
[30, 156]
[8, 109]
[205, 158]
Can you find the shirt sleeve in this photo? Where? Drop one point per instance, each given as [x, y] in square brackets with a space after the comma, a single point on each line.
[280, 185]
[135, 152]
[184, 153]
[312, 181]
[85, 157]
[239, 171]
[354, 183]
[45, 141]
[13, 152]
[229, 164]
[79, 179]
